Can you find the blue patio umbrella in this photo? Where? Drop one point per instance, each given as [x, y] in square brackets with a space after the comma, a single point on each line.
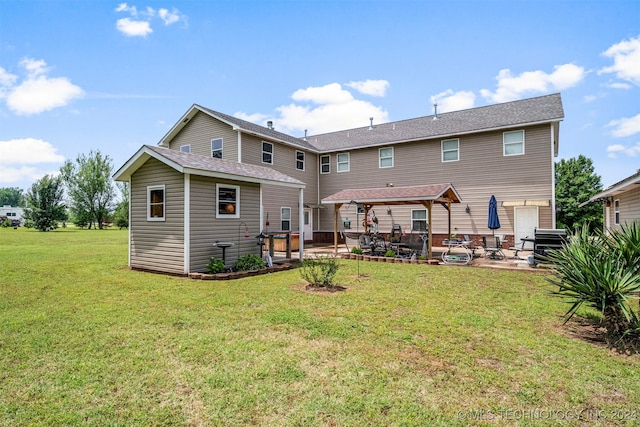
[494, 221]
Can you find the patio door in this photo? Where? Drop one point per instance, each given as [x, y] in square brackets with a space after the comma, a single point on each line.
[526, 221]
[307, 230]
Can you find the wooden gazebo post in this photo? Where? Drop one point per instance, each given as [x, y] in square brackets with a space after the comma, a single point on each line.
[336, 208]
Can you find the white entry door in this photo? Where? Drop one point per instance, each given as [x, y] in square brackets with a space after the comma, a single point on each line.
[307, 230]
[526, 221]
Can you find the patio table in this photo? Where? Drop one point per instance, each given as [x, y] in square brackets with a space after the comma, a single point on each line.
[457, 252]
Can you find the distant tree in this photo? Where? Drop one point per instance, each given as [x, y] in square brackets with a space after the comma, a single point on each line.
[89, 187]
[577, 182]
[12, 197]
[45, 203]
[121, 215]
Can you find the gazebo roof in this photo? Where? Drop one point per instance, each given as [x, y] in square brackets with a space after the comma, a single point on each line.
[415, 194]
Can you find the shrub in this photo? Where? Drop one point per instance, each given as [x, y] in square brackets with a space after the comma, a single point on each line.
[390, 253]
[356, 250]
[6, 223]
[603, 272]
[320, 271]
[248, 262]
[216, 265]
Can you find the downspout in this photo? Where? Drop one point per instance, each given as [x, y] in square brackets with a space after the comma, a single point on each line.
[317, 224]
[553, 179]
[187, 223]
[239, 146]
[301, 224]
[129, 231]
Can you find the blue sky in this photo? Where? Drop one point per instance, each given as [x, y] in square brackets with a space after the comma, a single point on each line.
[77, 76]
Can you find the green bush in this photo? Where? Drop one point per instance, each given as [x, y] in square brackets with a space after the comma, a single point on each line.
[248, 262]
[320, 271]
[356, 250]
[602, 271]
[215, 265]
[6, 223]
[390, 254]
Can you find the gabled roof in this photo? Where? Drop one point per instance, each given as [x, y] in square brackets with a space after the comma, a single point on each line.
[627, 184]
[417, 194]
[543, 109]
[236, 124]
[205, 166]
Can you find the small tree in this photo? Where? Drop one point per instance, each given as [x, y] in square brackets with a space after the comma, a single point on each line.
[576, 183]
[121, 215]
[320, 272]
[45, 206]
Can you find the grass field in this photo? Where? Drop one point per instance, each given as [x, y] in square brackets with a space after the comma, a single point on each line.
[86, 341]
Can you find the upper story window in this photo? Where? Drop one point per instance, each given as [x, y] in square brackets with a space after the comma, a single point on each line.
[342, 162]
[216, 148]
[155, 202]
[185, 148]
[267, 152]
[325, 164]
[227, 201]
[300, 160]
[285, 219]
[385, 156]
[616, 212]
[513, 143]
[450, 150]
[419, 220]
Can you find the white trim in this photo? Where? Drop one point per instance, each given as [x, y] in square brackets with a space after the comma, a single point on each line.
[262, 153]
[281, 219]
[616, 212]
[304, 160]
[129, 231]
[553, 179]
[328, 156]
[426, 218]
[338, 162]
[239, 146]
[221, 148]
[187, 223]
[504, 145]
[380, 158]
[151, 188]
[457, 150]
[236, 214]
[301, 224]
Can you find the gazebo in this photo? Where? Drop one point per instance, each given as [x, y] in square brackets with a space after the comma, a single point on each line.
[425, 195]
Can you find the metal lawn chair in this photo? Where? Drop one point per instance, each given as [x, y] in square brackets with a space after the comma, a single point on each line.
[492, 247]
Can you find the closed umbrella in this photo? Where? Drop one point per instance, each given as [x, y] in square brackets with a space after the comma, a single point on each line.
[494, 221]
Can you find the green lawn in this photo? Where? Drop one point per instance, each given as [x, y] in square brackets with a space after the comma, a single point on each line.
[85, 341]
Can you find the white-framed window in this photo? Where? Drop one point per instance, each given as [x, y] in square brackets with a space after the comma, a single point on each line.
[616, 212]
[300, 160]
[513, 143]
[385, 157]
[285, 219]
[185, 148]
[155, 202]
[342, 160]
[267, 152]
[216, 148]
[227, 201]
[451, 150]
[418, 220]
[325, 164]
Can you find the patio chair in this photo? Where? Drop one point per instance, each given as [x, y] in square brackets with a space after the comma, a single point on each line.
[472, 246]
[518, 248]
[492, 247]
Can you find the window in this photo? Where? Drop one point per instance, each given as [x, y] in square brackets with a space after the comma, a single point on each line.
[616, 212]
[267, 152]
[216, 148]
[325, 164]
[343, 162]
[155, 203]
[227, 201]
[185, 148]
[385, 156]
[450, 149]
[300, 160]
[513, 143]
[419, 220]
[285, 219]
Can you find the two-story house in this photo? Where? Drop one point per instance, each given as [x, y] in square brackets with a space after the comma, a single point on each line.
[210, 162]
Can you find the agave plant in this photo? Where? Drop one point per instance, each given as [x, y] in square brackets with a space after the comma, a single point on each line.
[601, 271]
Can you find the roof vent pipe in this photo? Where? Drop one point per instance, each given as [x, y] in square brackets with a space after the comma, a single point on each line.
[305, 134]
[371, 123]
[435, 109]
[270, 124]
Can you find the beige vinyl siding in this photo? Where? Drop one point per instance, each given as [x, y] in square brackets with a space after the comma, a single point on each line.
[157, 245]
[205, 229]
[274, 197]
[481, 171]
[629, 208]
[199, 132]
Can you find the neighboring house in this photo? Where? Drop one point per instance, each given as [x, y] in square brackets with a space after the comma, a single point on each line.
[506, 150]
[620, 202]
[15, 215]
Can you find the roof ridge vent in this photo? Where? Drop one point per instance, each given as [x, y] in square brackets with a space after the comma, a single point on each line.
[370, 123]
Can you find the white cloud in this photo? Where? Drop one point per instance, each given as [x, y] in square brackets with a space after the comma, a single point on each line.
[6, 78]
[169, 17]
[370, 87]
[626, 60]
[615, 149]
[626, 126]
[21, 159]
[453, 101]
[618, 85]
[38, 92]
[133, 28]
[123, 7]
[511, 87]
[321, 109]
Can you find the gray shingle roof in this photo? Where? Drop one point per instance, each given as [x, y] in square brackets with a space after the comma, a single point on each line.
[542, 109]
[395, 195]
